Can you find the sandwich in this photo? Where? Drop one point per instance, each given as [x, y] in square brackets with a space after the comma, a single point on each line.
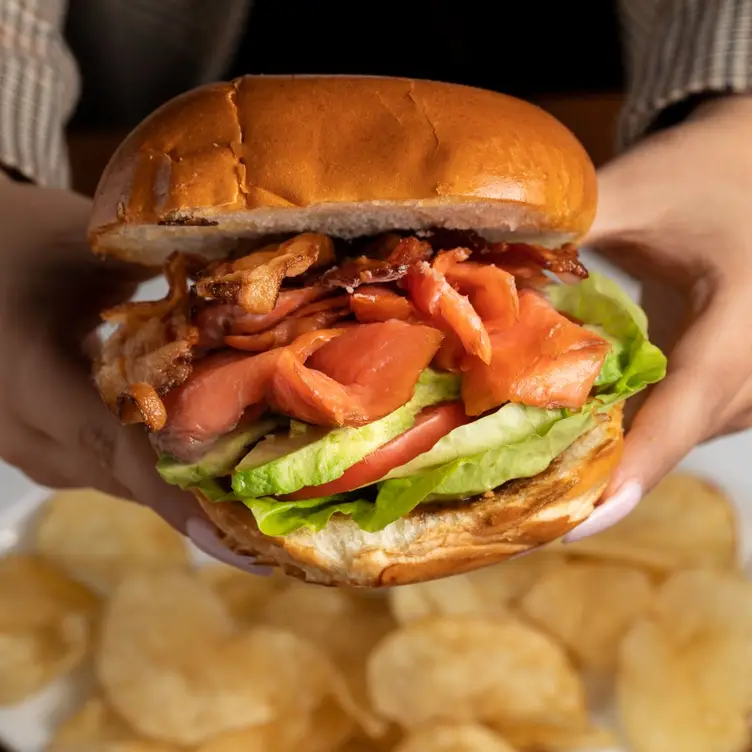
[379, 359]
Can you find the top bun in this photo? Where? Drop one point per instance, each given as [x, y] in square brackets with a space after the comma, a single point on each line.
[341, 155]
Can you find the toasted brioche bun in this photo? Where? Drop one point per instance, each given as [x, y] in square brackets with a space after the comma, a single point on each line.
[440, 540]
[345, 156]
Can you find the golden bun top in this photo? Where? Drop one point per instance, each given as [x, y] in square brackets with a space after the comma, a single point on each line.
[343, 155]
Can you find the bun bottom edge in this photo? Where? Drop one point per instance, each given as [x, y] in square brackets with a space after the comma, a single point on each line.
[437, 541]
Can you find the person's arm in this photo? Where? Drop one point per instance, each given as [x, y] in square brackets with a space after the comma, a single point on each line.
[678, 54]
[38, 90]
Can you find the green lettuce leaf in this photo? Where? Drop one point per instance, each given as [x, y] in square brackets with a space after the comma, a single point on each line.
[634, 362]
[398, 497]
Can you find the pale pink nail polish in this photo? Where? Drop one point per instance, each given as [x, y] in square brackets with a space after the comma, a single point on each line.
[203, 535]
[608, 513]
[520, 554]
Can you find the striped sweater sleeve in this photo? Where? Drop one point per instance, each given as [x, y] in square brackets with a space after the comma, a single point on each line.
[677, 51]
[38, 90]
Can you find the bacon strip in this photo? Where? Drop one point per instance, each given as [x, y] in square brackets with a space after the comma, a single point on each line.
[563, 260]
[253, 281]
[291, 328]
[151, 350]
[364, 271]
[216, 321]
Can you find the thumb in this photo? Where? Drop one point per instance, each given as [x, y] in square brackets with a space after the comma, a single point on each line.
[706, 369]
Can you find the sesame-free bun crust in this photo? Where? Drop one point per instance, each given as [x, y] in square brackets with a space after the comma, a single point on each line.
[440, 540]
[342, 155]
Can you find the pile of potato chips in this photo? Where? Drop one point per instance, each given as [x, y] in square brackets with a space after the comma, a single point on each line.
[639, 638]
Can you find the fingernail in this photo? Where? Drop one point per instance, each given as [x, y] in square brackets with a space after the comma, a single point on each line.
[520, 554]
[204, 537]
[608, 513]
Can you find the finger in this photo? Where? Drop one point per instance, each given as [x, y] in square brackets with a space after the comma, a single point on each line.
[707, 368]
[41, 460]
[95, 448]
[135, 466]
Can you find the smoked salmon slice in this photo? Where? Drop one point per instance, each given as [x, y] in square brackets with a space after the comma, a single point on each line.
[373, 303]
[544, 360]
[366, 373]
[221, 388]
[492, 291]
[432, 295]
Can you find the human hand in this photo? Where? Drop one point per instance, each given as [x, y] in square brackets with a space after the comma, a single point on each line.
[55, 427]
[675, 212]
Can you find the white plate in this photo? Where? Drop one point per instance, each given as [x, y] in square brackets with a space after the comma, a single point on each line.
[26, 727]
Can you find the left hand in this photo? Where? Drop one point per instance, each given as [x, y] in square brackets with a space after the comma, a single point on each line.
[675, 212]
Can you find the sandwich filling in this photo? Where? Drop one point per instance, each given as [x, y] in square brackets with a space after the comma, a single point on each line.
[314, 377]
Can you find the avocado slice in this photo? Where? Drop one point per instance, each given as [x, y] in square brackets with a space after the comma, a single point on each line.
[219, 460]
[281, 465]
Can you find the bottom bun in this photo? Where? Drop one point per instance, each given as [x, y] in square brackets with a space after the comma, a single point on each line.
[439, 540]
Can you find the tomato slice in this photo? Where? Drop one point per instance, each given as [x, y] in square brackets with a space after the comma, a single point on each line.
[432, 424]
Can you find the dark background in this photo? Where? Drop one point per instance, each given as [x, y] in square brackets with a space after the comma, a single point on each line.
[524, 48]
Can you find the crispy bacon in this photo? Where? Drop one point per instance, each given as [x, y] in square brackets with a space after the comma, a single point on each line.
[216, 320]
[444, 239]
[140, 403]
[563, 260]
[252, 282]
[321, 315]
[457, 309]
[365, 271]
[150, 351]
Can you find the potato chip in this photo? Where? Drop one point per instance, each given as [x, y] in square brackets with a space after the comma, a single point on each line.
[362, 745]
[453, 738]
[345, 626]
[684, 522]
[324, 730]
[95, 727]
[341, 624]
[588, 607]
[177, 669]
[46, 623]
[329, 727]
[467, 669]
[558, 739]
[485, 592]
[242, 593]
[97, 538]
[282, 735]
[685, 670]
